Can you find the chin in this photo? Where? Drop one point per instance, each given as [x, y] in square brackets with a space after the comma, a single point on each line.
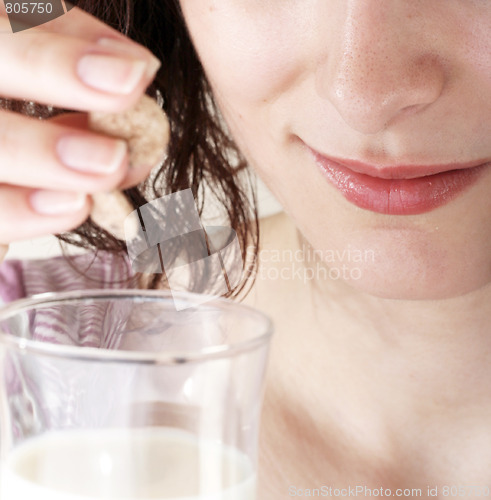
[404, 264]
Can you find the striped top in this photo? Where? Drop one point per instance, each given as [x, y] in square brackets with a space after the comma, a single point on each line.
[24, 278]
[41, 389]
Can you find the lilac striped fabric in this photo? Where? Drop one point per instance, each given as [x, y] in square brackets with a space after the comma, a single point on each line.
[19, 279]
[55, 392]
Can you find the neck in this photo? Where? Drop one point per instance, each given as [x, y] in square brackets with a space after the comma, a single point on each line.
[425, 351]
[436, 348]
[359, 369]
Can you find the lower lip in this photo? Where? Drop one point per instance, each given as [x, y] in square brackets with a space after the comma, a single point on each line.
[398, 196]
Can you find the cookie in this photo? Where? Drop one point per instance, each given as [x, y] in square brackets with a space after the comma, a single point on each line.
[146, 129]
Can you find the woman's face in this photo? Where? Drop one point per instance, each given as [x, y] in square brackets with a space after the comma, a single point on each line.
[398, 90]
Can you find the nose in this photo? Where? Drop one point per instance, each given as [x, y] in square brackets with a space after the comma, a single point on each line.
[379, 64]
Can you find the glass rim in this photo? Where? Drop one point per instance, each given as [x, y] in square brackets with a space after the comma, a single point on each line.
[167, 357]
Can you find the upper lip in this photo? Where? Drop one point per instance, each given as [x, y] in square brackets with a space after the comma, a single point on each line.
[403, 171]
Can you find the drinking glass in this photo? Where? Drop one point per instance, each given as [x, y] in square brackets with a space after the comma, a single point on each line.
[130, 394]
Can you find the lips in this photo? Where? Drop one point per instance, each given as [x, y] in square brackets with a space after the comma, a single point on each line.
[398, 190]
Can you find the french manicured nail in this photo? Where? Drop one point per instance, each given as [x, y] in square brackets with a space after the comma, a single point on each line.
[113, 74]
[47, 202]
[124, 48]
[91, 154]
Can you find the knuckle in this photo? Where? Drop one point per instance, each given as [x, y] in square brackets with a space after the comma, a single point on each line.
[35, 50]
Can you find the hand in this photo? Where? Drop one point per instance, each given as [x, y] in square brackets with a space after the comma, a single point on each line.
[49, 168]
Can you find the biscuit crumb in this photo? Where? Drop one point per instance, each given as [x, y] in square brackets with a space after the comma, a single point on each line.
[146, 129]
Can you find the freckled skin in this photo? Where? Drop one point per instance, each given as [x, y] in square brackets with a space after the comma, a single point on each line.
[388, 83]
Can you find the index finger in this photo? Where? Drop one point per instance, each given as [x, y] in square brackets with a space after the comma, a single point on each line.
[77, 23]
[73, 73]
[80, 24]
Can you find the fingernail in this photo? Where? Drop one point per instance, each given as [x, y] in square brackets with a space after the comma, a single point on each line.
[117, 75]
[91, 154]
[125, 48]
[47, 202]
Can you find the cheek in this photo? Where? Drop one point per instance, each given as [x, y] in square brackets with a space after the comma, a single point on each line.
[250, 53]
[475, 42]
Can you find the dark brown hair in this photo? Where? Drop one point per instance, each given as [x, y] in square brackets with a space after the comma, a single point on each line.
[200, 149]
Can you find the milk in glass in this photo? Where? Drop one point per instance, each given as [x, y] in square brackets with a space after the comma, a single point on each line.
[138, 464]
